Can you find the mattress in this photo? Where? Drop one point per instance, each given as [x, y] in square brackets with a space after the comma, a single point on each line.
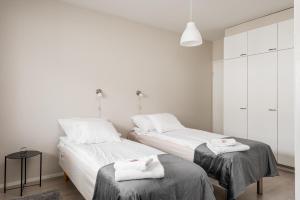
[181, 143]
[82, 161]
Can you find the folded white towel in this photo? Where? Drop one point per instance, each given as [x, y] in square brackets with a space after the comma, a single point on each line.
[223, 142]
[154, 170]
[220, 150]
[133, 164]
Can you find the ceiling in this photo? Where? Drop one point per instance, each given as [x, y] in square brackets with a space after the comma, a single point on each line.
[211, 16]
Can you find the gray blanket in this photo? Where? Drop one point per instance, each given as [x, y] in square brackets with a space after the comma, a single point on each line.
[183, 181]
[235, 171]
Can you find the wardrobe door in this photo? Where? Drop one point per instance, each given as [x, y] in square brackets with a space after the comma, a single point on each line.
[235, 46]
[262, 98]
[286, 34]
[286, 107]
[235, 97]
[262, 40]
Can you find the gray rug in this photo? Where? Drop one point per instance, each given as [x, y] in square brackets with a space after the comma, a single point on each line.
[51, 195]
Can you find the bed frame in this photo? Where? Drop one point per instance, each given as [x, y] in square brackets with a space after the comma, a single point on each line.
[66, 177]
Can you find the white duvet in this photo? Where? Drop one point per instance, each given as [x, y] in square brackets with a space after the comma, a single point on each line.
[187, 137]
[101, 154]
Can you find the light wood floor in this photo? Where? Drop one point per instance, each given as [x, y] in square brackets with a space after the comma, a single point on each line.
[278, 188]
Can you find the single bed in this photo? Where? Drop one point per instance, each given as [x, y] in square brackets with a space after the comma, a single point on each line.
[234, 171]
[82, 163]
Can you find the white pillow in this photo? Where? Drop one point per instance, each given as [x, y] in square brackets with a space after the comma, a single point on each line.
[143, 122]
[165, 122]
[70, 127]
[89, 130]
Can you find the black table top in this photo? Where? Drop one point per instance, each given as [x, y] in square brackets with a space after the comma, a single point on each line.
[23, 154]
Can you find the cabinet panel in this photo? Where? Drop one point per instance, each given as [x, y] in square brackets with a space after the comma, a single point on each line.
[235, 97]
[286, 34]
[262, 101]
[286, 107]
[262, 40]
[235, 46]
[218, 67]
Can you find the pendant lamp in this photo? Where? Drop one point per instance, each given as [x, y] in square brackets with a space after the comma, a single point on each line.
[191, 36]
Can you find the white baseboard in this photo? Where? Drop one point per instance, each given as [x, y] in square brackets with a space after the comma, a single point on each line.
[33, 179]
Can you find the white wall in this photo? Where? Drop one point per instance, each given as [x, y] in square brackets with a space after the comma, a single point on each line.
[297, 101]
[53, 56]
[218, 49]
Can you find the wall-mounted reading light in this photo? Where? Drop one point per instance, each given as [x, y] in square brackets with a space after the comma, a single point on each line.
[99, 93]
[139, 93]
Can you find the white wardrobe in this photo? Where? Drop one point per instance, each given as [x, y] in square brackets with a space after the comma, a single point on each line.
[258, 88]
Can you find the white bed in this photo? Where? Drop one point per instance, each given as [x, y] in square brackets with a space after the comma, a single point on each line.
[81, 162]
[185, 142]
[234, 171]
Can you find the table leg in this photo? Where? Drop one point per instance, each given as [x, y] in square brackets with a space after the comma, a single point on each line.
[41, 169]
[25, 172]
[21, 176]
[5, 175]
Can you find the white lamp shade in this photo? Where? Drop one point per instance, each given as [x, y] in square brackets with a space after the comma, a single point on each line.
[191, 36]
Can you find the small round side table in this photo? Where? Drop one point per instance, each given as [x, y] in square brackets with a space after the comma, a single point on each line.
[23, 156]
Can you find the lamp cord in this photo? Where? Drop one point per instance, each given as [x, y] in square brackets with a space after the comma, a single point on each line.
[100, 106]
[140, 104]
[191, 10]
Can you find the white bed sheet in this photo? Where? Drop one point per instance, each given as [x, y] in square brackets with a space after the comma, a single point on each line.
[82, 161]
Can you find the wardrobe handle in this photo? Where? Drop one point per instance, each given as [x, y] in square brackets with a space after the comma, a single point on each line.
[272, 49]
[243, 54]
[243, 108]
[272, 109]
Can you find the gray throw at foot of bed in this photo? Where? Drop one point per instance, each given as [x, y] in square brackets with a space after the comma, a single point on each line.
[236, 170]
[183, 181]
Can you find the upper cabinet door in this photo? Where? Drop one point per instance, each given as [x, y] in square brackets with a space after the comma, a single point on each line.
[235, 46]
[262, 40]
[286, 34]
